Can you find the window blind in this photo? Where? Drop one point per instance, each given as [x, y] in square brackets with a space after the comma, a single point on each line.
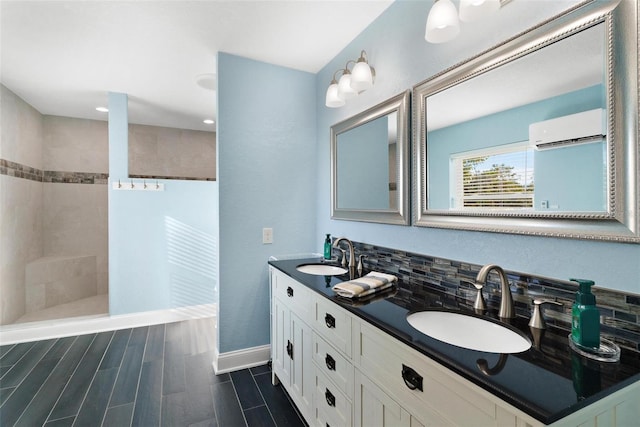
[497, 177]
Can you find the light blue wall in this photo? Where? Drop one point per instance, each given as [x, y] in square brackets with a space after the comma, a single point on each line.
[162, 245]
[572, 178]
[363, 166]
[397, 49]
[267, 170]
[577, 167]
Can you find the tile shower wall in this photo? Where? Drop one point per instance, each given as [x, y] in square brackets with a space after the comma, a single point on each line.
[620, 312]
[20, 200]
[39, 216]
[166, 153]
[76, 153]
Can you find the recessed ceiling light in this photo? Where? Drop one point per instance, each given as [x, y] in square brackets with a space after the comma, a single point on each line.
[102, 109]
[208, 121]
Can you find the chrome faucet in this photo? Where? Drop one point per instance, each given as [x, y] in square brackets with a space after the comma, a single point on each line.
[506, 300]
[352, 257]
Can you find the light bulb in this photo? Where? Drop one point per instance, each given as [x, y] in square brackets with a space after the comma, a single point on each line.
[345, 90]
[332, 99]
[442, 22]
[361, 76]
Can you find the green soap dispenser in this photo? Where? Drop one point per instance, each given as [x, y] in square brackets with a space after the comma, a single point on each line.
[327, 247]
[585, 317]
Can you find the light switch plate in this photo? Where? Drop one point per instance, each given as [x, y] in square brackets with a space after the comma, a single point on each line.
[267, 236]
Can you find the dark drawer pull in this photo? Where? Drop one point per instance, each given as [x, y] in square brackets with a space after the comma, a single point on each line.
[329, 320]
[331, 399]
[411, 378]
[289, 291]
[290, 349]
[331, 363]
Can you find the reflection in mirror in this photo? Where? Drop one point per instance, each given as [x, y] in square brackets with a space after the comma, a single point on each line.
[366, 165]
[537, 135]
[486, 155]
[369, 155]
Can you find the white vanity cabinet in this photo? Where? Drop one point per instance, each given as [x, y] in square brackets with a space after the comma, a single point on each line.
[430, 393]
[291, 339]
[340, 370]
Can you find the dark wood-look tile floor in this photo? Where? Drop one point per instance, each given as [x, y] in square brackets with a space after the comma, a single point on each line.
[157, 375]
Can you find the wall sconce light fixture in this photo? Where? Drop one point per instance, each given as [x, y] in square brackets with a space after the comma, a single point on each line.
[352, 82]
[443, 22]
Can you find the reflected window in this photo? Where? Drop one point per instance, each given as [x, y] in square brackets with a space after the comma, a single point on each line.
[493, 178]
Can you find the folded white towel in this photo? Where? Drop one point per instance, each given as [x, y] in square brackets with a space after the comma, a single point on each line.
[365, 285]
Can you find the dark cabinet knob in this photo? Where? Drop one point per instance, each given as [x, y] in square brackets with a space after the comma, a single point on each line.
[329, 320]
[331, 363]
[290, 349]
[411, 378]
[331, 399]
[289, 291]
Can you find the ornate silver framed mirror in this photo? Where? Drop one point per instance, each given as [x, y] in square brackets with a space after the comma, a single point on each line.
[370, 164]
[538, 135]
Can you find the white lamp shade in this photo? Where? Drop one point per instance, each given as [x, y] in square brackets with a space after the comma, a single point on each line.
[345, 91]
[473, 10]
[332, 99]
[442, 22]
[361, 77]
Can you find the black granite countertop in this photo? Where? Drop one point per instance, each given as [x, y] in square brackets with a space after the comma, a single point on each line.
[548, 382]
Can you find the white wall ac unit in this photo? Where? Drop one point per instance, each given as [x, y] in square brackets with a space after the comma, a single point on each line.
[579, 128]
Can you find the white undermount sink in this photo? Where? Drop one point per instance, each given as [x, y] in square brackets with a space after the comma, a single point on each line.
[469, 332]
[321, 269]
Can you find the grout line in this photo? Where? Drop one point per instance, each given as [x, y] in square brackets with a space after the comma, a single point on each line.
[135, 398]
[18, 361]
[215, 413]
[95, 374]
[70, 376]
[32, 368]
[238, 400]
[13, 389]
[25, 377]
[253, 377]
[254, 407]
[104, 416]
[11, 346]
[164, 348]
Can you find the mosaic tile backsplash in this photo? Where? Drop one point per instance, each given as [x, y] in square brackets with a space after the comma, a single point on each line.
[18, 170]
[26, 172]
[619, 311]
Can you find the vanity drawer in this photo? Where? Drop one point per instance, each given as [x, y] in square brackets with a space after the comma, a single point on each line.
[293, 294]
[332, 408]
[333, 323]
[421, 385]
[333, 365]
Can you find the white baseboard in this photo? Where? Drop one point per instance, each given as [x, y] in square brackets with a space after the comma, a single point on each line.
[241, 359]
[35, 331]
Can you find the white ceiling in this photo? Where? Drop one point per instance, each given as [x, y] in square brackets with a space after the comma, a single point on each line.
[62, 57]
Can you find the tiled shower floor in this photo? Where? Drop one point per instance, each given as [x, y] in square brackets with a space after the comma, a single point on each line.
[157, 375]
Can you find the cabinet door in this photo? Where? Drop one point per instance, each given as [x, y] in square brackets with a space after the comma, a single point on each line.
[301, 369]
[373, 408]
[282, 341]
